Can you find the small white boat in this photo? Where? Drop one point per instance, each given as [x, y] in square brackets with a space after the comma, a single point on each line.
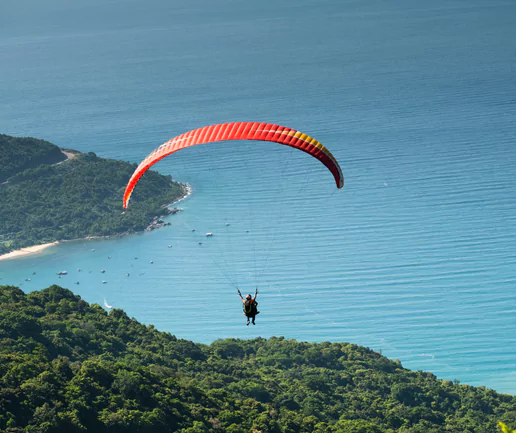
[104, 281]
[62, 273]
[102, 271]
[209, 234]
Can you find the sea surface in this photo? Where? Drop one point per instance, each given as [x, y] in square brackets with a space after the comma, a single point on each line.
[415, 257]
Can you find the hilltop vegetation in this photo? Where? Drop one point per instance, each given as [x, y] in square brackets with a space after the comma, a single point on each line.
[18, 154]
[67, 366]
[42, 201]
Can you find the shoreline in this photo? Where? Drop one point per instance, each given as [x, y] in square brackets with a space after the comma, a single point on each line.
[27, 251]
[187, 192]
[35, 249]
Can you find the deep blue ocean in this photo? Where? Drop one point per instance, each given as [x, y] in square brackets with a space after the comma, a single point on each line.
[415, 257]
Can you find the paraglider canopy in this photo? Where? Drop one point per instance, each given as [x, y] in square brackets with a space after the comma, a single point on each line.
[238, 131]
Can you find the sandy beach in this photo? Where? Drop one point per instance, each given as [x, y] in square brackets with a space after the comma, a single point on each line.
[27, 251]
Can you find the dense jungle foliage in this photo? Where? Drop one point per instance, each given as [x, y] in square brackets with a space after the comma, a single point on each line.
[18, 154]
[76, 198]
[67, 366]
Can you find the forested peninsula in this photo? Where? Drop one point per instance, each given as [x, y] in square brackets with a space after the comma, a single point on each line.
[50, 194]
[69, 366]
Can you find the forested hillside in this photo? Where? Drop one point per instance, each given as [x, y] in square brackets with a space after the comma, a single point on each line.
[18, 154]
[67, 366]
[76, 198]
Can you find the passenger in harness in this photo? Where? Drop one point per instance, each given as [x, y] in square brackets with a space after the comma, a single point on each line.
[250, 306]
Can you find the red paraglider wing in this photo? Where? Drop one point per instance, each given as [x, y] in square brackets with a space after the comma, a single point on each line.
[238, 131]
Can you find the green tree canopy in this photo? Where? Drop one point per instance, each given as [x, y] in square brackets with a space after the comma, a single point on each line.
[70, 366]
[46, 202]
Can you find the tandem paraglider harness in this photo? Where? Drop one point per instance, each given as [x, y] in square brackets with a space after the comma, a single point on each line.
[250, 306]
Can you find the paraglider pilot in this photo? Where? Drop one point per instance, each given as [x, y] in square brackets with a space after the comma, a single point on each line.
[250, 306]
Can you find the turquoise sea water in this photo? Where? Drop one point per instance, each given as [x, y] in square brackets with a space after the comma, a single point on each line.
[415, 257]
